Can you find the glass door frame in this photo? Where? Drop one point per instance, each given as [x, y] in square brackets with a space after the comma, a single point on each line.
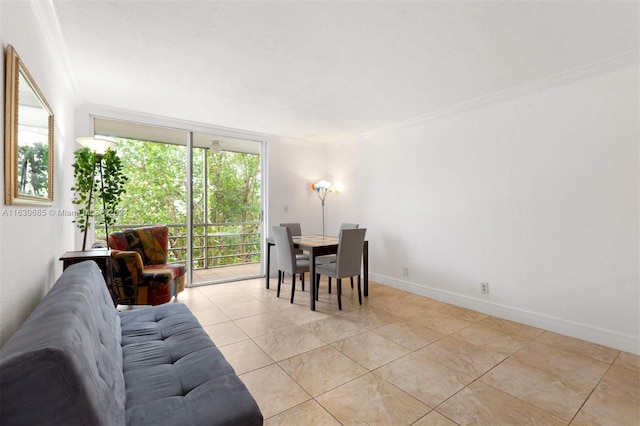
[190, 129]
[190, 218]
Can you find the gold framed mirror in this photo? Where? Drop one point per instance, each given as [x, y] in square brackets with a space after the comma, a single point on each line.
[28, 137]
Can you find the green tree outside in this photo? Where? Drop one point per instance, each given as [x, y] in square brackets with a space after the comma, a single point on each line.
[33, 167]
[157, 194]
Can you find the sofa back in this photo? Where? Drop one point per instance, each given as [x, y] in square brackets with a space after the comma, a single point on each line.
[152, 242]
[64, 365]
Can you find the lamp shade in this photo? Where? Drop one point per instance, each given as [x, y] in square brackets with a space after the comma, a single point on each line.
[322, 184]
[215, 147]
[322, 188]
[97, 145]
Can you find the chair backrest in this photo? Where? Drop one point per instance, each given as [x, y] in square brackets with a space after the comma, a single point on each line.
[295, 228]
[350, 248]
[284, 248]
[346, 225]
[152, 242]
[296, 231]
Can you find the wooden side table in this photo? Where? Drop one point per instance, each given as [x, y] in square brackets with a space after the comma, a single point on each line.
[102, 257]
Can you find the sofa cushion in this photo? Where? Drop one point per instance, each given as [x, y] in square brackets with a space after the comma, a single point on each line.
[64, 365]
[174, 374]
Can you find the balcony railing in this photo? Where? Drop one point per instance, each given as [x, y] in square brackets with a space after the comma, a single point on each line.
[214, 244]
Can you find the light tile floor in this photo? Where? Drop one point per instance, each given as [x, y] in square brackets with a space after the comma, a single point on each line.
[406, 359]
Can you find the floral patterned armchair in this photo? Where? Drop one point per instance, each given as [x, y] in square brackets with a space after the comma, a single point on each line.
[141, 274]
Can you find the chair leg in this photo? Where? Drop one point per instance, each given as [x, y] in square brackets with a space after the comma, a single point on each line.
[302, 279]
[339, 293]
[359, 292]
[351, 282]
[317, 284]
[329, 285]
[279, 282]
[293, 286]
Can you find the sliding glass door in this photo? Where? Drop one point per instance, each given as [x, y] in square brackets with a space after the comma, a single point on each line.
[227, 208]
[207, 188]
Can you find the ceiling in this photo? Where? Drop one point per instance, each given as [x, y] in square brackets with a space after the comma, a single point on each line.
[326, 71]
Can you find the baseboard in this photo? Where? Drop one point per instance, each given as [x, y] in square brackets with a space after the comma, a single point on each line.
[557, 325]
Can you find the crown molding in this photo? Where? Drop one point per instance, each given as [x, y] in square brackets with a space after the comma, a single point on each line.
[45, 12]
[616, 62]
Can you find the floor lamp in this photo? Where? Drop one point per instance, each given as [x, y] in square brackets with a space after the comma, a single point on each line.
[99, 147]
[321, 189]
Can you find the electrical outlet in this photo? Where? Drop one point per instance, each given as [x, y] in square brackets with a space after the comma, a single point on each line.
[285, 209]
[405, 271]
[484, 288]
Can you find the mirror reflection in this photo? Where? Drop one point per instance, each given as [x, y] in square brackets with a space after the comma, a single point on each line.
[33, 142]
[28, 137]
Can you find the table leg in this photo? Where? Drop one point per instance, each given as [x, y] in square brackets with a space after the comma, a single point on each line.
[268, 264]
[312, 272]
[365, 261]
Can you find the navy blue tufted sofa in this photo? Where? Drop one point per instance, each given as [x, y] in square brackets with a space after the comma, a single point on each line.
[77, 361]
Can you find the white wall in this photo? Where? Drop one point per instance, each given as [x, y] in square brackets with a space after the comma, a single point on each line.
[535, 193]
[30, 246]
[292, 167]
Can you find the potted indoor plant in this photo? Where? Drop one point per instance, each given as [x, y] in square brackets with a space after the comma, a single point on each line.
[100, 184]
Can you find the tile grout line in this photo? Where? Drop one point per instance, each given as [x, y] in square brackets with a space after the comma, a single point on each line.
[527, 344]
[594, 389]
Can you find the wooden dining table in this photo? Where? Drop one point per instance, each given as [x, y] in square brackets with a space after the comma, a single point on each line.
[319, 245]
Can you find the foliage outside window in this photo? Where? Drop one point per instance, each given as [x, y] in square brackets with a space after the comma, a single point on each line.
[33, 168]
[226, 232]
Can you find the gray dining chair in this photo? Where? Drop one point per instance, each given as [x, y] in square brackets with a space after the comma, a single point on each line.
[287, 261]
[296, 231]
[330, 258]
[348, 262]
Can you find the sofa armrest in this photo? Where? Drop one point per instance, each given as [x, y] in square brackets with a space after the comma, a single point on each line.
[64, 366]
